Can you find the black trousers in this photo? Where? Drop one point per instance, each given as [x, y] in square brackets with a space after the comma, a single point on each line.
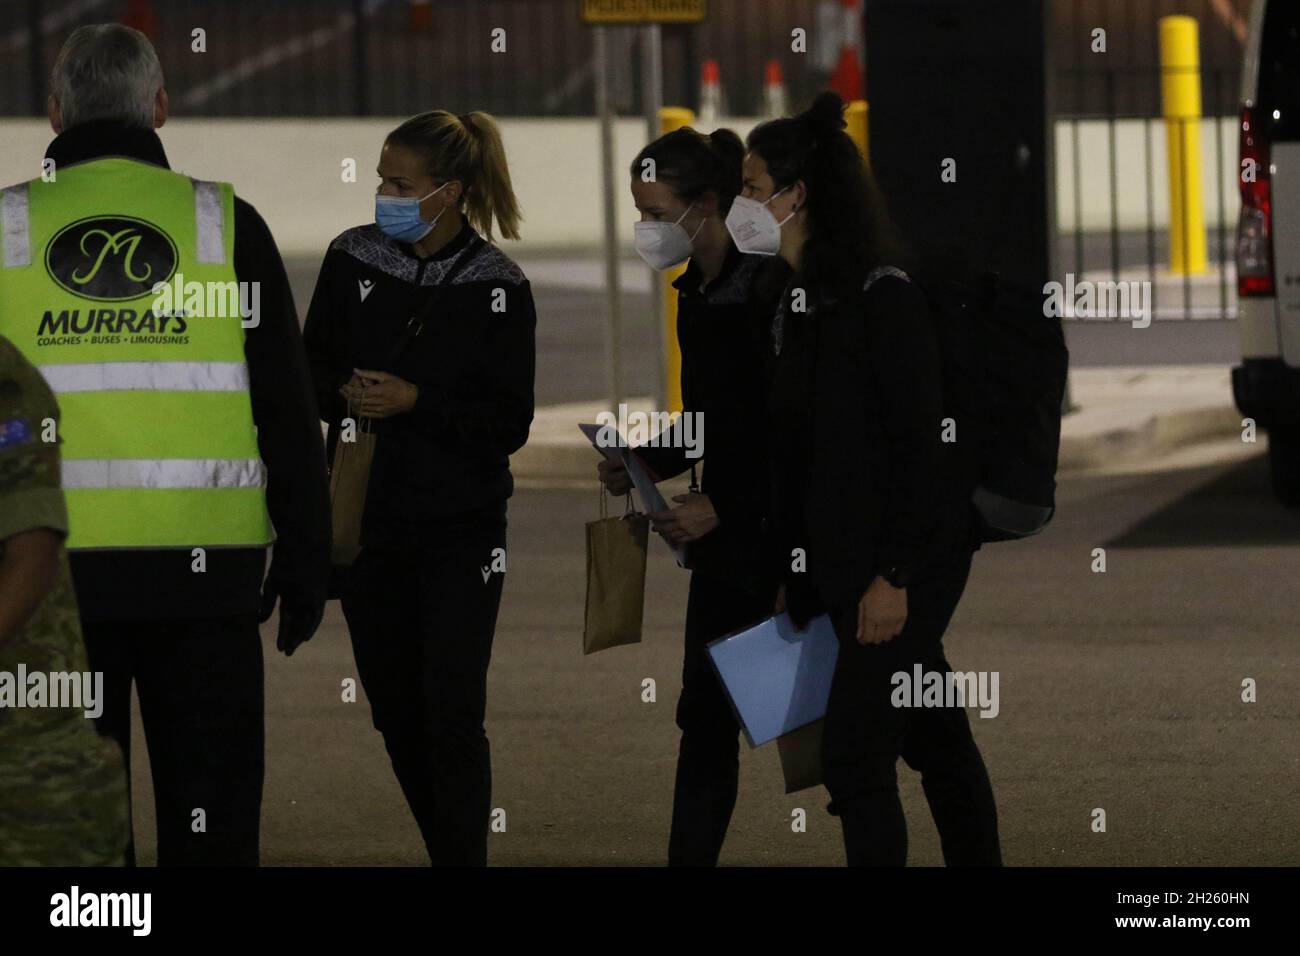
[865, 734]
[422, 618]
[201, 704]
[708, 761]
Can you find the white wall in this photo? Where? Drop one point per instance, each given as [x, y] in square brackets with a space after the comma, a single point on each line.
[291, 171]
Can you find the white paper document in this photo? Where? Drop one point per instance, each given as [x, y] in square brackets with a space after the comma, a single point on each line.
[647, 494]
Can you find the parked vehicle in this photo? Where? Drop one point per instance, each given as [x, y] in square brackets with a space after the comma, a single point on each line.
[1266, 385]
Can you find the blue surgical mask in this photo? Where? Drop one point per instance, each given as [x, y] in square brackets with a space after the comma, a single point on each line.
[399, 216]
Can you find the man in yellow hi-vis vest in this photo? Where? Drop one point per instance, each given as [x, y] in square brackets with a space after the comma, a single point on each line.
[157, 308]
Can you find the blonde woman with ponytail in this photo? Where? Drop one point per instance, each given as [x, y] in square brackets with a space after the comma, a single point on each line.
[423, 329]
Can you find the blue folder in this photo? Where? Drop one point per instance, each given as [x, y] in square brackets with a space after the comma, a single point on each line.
[778, 679]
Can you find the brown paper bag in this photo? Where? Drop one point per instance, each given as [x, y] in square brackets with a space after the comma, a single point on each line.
[801, 756]
[616, 553]
[349, 478]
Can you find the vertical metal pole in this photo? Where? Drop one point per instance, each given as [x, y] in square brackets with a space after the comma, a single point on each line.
[1184, 178]
[1051, 101]
[1111, 111]
[691, 58]
[359, 58]
[36, 58]
[652, 100]
[614, 343]
[1180, 90]
[1149, 163]
[1078, 200]
[1217, 113]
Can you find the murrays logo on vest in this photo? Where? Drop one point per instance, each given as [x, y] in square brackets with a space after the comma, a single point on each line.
[110, 258]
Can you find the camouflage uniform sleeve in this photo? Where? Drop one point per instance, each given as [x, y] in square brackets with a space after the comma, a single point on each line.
[30, 492]
[63, 789]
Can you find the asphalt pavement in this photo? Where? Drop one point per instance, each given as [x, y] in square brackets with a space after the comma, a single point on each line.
[1118, 690]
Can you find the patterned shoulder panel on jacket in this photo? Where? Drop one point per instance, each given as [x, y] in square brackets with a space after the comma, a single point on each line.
[739, 285]
[490, 265]
[370, 245]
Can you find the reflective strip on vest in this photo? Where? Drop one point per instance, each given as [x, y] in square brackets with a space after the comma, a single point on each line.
[208, 217]
[82, 473]
[147, 377]
[14, 224]
[211, 247]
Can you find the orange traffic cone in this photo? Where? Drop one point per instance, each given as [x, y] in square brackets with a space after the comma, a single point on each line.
[847, 78]
[774, 99]
[711, 103]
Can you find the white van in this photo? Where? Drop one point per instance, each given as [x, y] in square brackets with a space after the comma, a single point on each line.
[1266, 385]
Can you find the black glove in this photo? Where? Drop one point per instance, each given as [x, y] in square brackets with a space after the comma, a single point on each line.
[300, 615]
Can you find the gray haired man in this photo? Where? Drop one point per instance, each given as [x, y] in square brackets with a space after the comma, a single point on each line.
[191, 440]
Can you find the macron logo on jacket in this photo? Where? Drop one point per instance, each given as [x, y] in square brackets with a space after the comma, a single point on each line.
[366, 285]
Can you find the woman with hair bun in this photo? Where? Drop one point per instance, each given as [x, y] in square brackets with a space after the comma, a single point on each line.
[859, 482]
[683, 185]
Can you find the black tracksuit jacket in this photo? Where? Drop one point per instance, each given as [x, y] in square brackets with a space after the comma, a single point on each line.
[861, 480]
[721, 331]
[473, 361]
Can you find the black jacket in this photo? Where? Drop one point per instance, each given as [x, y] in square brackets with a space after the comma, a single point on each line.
[858, 459]
[473, 362]
[126, 585]
[722, 331]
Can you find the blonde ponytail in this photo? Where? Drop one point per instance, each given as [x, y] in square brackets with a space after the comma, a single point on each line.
[467, 148]
[492, 195]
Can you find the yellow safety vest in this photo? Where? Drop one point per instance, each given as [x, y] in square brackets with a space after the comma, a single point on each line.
[117, 281]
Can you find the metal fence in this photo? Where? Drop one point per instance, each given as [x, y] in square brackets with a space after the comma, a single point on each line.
[398, 57]
[1136, 164]
[357, 57]
[1104, 99]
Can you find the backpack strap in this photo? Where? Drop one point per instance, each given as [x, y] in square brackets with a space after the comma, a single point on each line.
[881, 272]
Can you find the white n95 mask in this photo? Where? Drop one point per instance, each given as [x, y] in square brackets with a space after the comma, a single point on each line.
[752, 226]
[665, 244]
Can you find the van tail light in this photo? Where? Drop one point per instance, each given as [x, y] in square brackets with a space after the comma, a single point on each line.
[1255, 227]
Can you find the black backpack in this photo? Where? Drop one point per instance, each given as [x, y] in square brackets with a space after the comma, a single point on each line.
[1005, 365]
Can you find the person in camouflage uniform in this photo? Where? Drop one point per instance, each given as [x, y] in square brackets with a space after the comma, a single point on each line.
[63, 799]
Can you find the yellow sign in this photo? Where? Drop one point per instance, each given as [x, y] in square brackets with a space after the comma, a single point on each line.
[644, 11]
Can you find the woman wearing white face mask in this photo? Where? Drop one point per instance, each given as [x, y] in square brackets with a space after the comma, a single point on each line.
[683, 184]
[860, 483]
[426, 329]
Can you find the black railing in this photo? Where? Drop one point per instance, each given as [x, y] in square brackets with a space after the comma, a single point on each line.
[398, 57]
[1121, 249]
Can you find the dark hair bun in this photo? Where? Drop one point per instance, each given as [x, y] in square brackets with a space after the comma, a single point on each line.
[826, 113]
[693, 163]
[728, 148]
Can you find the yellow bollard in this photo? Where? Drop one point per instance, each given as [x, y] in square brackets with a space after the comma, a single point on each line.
[1180, 88]
[855, 116]
[671, 118]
